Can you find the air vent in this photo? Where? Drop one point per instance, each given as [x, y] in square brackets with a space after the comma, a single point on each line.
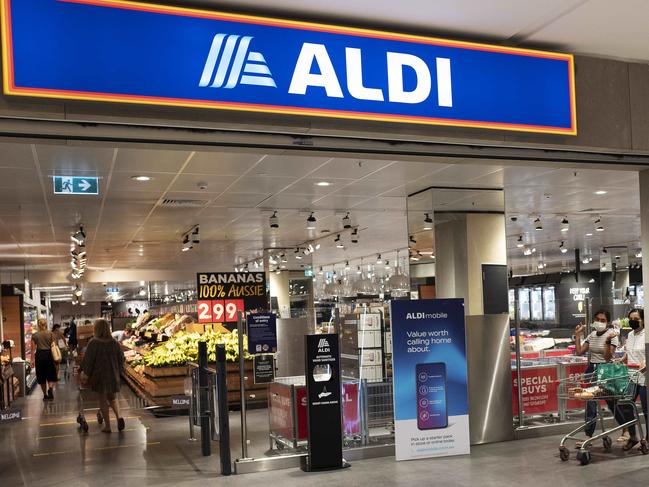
[171, 203]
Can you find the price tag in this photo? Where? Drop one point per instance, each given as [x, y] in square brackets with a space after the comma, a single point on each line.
[232, 308]
[205, 312]
[218, 310]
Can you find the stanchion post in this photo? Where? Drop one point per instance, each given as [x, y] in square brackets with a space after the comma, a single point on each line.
[224, 418]
[242, 386]
[206, 439]
[192, 403]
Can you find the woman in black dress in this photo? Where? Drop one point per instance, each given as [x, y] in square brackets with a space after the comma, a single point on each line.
[46, 373]
[103, 365]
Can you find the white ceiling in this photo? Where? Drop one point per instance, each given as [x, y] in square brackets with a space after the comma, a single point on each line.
[128, 228]
[598, 27]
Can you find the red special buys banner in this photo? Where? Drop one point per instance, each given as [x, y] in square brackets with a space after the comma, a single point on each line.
[539, 387]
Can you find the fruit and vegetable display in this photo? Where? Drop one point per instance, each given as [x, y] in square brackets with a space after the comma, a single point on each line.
[183, 348]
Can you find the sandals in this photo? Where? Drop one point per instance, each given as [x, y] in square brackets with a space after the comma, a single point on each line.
[630, 444]
[624, 437]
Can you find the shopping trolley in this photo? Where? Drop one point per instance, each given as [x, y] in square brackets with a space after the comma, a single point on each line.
[593, 387]
[83, 390]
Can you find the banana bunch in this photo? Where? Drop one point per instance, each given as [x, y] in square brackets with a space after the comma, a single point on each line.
[183, 348]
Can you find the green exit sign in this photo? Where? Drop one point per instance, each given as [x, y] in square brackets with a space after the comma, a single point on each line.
[76, 185]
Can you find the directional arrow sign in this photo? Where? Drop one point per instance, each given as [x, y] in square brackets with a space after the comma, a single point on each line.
[76, 185]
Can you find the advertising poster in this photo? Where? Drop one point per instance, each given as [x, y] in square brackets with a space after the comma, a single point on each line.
[221, 295]
[431, 408]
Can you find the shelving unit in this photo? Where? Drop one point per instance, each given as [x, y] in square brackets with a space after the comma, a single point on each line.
[362, 344]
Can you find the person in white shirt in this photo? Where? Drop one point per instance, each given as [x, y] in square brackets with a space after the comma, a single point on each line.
[635, 357]
[600, 346]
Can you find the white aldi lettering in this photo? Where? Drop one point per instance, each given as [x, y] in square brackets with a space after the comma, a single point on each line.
[324, 75]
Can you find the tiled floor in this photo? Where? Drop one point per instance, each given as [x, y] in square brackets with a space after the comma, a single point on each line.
[46, 449]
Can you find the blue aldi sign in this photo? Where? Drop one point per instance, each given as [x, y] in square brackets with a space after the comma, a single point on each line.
[129, 52]
[76, 185]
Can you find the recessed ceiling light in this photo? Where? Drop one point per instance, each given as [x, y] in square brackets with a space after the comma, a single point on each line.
[589, 234]
[601, 192]
[141, 178]
[323, 183]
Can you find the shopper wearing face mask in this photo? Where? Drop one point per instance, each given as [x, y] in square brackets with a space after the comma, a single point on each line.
[635, 357]
[600, 346]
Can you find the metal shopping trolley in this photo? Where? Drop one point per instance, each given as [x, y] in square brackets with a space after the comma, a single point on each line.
[594, 387]
[85, 390]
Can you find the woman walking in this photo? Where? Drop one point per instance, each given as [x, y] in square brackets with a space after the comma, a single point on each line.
[46, 373]
[103, 365]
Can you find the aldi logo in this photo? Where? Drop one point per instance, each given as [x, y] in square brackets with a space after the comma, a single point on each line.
[229, 58]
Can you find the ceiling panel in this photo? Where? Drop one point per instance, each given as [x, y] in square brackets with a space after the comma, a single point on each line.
[368, 187]
[222, 163]
[246, 200]
[202, 183]
[67, 159]
[18, 155]
[261, 184]
[136, 161]
[287, 166]
[349, 168]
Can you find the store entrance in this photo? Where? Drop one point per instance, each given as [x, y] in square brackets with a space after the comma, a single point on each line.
[336, 239]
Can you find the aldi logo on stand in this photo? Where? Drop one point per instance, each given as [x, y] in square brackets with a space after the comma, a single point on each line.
[59, 49]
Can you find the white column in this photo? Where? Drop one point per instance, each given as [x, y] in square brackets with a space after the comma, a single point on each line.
[644, 240]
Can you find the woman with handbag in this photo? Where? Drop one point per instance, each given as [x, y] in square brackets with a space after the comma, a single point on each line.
[46, 351]
[103, 364]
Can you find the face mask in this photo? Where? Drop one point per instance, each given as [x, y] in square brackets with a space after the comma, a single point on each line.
[634, 324]
[599, 327]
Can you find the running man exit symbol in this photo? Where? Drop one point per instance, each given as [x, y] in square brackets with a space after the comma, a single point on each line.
[76, 185]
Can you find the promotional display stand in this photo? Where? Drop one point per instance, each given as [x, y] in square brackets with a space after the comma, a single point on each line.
[324, 406]
[431, 408]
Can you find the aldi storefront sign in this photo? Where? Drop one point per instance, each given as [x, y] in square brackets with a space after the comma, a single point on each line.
[130, 52]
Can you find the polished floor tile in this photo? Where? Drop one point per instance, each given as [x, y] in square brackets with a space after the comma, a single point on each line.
[47, 449]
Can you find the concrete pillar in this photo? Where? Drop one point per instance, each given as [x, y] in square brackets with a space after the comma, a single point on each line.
[463, 245]
[644, 241]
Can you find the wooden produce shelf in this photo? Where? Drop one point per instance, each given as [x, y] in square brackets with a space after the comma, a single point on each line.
[157, 385]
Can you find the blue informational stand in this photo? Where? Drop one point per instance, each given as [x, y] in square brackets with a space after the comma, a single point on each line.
[431, 407]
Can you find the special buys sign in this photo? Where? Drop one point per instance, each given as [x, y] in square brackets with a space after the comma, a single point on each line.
[539, 389]
[174, 56]
[431, 408]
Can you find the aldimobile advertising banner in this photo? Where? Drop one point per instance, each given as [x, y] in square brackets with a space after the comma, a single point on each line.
[431, 407]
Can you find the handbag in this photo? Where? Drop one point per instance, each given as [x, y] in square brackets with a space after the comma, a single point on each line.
[56, 352]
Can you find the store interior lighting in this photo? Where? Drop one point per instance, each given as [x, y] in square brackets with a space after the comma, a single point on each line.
[338, 242]
[354, 237]
[563, 248]
[274, 220]
[428, 222]
[347, 221]
[537, 224]
[565, 224]
[311, 222]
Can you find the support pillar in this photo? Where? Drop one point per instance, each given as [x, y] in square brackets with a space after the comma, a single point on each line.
[644, 240]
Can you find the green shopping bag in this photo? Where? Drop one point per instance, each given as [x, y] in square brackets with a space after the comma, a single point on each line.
[613, 377]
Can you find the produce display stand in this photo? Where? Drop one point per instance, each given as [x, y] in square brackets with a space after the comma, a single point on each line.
[157, 385]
